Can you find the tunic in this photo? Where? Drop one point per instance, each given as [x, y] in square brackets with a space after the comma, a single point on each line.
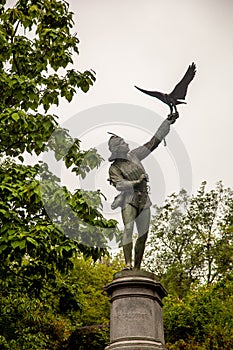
[122, 171]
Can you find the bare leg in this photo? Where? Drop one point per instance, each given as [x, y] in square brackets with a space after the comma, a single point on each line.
[127, 249]
[128, 215]
[142, 222]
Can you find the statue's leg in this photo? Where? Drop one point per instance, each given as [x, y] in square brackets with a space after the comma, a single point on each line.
[143, 223]
[128, 216]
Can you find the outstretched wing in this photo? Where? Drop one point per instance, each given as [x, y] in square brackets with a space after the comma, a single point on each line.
[157, 94]
[180, 89]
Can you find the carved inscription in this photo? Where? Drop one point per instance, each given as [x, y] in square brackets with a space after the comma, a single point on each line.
[131, 318]
[132, 315]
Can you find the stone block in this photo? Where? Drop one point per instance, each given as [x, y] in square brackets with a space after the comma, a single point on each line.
[136, 321]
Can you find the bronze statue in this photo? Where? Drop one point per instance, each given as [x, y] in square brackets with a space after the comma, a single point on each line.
[129, 177]
[178, 93]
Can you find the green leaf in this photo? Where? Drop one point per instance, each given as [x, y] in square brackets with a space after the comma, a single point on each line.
[15, 116]
[18, 244]
[32, 241]
[3, 247]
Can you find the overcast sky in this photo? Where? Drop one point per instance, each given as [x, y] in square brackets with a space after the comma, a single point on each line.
[150, 43]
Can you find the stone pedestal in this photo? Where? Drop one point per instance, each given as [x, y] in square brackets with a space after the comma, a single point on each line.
[136, 321]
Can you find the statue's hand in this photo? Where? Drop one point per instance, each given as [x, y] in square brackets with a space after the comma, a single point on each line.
[172, 117]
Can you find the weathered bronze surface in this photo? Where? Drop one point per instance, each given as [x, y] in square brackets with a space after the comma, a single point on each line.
[178, 93]
[129, 177]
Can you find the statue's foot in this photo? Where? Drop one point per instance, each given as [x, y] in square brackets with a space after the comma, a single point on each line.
[127, 267]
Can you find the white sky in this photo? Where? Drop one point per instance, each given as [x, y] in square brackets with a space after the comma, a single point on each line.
[150, 43]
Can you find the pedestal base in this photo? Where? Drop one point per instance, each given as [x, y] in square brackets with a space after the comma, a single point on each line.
[136, 321]
[135, 345]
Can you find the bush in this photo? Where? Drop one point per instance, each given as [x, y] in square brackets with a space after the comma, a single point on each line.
[30, 324]
[89, 337]
[202, 320]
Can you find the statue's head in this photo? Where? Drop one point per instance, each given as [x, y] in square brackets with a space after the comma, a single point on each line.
[118, 147]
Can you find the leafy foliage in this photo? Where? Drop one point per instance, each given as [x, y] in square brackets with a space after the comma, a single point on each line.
[191, 240]
[91, 278]
[94, 337]
[39, 306]
[73, 314]
[33, 247]
[202, 319]
[190, 249]
[36, 55]
[29, 324]
[42, 225]
[30, 66]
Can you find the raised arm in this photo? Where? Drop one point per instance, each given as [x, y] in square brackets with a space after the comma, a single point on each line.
[142, 152]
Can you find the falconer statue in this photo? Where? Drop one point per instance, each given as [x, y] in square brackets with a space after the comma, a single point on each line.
[129, 177]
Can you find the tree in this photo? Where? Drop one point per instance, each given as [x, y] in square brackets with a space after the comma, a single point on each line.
[91, 278]
[36, 56]
[72, 315]
[191, 238]
[36, 51]
[202, 319]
